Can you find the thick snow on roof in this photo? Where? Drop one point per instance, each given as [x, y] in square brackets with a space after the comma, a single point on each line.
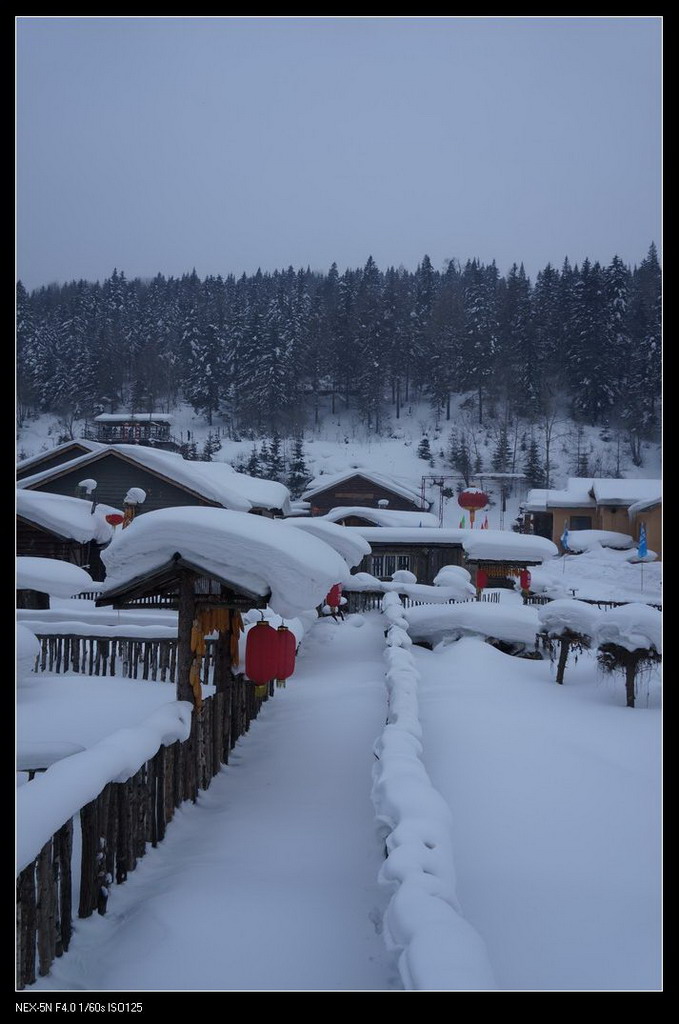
[351, 547]
[514, 624]
[565, 614]
[493, 545]
[321, 483]
[268, 494]
[642, 506]
[584, 540]
[51, 576]
[93, 446]
[382, 516]
[632, 626]
[252, 552]
[65, 516]
[622, 492]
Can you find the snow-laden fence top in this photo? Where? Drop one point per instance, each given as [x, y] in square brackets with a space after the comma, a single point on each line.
[456, 588]
[438, 949]
[511, 624]
[53, 797]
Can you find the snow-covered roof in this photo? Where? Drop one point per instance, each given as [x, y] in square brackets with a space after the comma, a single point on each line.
[321, 483]
[644, 505]
[92, 446]
[67, 517]
[489, 545]
[215, 481]
[381, 516]
[624, 492]
[585, 492]
[51, 576]
[133, 417]
[251, 552]
[350, 546]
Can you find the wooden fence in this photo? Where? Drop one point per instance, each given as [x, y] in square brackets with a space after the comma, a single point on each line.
[116, 828]
[130, 657]
[542, 599]
[371, 600]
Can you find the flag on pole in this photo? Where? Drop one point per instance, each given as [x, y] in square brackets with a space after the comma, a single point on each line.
[642, 549]
[463, 524]
[564, 539]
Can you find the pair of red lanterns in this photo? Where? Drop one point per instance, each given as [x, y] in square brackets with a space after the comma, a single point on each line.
[269, 653]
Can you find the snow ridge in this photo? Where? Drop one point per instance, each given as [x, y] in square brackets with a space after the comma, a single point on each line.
[437, 948]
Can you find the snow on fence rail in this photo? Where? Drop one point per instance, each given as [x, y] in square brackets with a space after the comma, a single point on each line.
[129, 656]
[368, 600]
[122, 795]
[438, 949]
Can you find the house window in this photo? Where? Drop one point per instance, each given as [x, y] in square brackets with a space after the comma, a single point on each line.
[386, 565]
[581, 523]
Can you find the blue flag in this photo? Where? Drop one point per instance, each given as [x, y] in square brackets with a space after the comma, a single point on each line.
[642, 549]
[564, 539]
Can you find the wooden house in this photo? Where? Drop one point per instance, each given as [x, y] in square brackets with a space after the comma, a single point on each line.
[425, 550]
[167, 479]
[597, 503]
[64, 528]
[359, 487]
[55, 457]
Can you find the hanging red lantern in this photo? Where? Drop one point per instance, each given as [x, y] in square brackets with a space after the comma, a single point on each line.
[334, 595]
[472, 500]
[287, 647]
[114, 519]
[261, 653]
[481, 579]
[524, 579]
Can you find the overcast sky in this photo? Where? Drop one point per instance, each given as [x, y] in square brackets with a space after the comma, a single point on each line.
[156, 145]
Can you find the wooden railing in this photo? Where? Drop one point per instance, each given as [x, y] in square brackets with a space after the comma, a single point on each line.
[540, 599]
[116, 828]
[371, 600]
[130, 657]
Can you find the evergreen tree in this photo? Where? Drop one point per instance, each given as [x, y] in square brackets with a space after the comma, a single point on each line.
[502, 453]
[532, 467]
[424, 449]
[298, 476]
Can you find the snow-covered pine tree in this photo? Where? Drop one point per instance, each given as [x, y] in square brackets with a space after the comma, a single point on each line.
[299, 475]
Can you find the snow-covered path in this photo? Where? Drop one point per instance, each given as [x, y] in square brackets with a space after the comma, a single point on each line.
[269, 881]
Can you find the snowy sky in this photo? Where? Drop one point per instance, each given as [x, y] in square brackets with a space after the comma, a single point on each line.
[160, 144]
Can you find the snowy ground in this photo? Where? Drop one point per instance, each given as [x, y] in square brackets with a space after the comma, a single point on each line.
[270, 881]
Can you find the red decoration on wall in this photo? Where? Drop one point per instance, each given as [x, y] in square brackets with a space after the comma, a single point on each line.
[481, 579]
[524, 579]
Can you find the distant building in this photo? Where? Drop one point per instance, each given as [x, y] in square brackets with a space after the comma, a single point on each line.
[147, 428]
[588, 504]
[359, 487]
[54, 457]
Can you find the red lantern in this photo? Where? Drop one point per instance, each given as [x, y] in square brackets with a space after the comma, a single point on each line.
[286, 653]
[524, 579]
[334, 595]
[261, 653]
[472, 500]
[481, 579]
[114, 519]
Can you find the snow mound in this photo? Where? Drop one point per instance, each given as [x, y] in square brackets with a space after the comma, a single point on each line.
[450, 575]
[474, 618]
[632, 626]
[586, 540]
[574, 616]
[51, 576]
[28, 649]
[350, 546]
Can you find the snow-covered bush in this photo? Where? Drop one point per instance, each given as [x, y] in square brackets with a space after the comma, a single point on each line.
[629, 639]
